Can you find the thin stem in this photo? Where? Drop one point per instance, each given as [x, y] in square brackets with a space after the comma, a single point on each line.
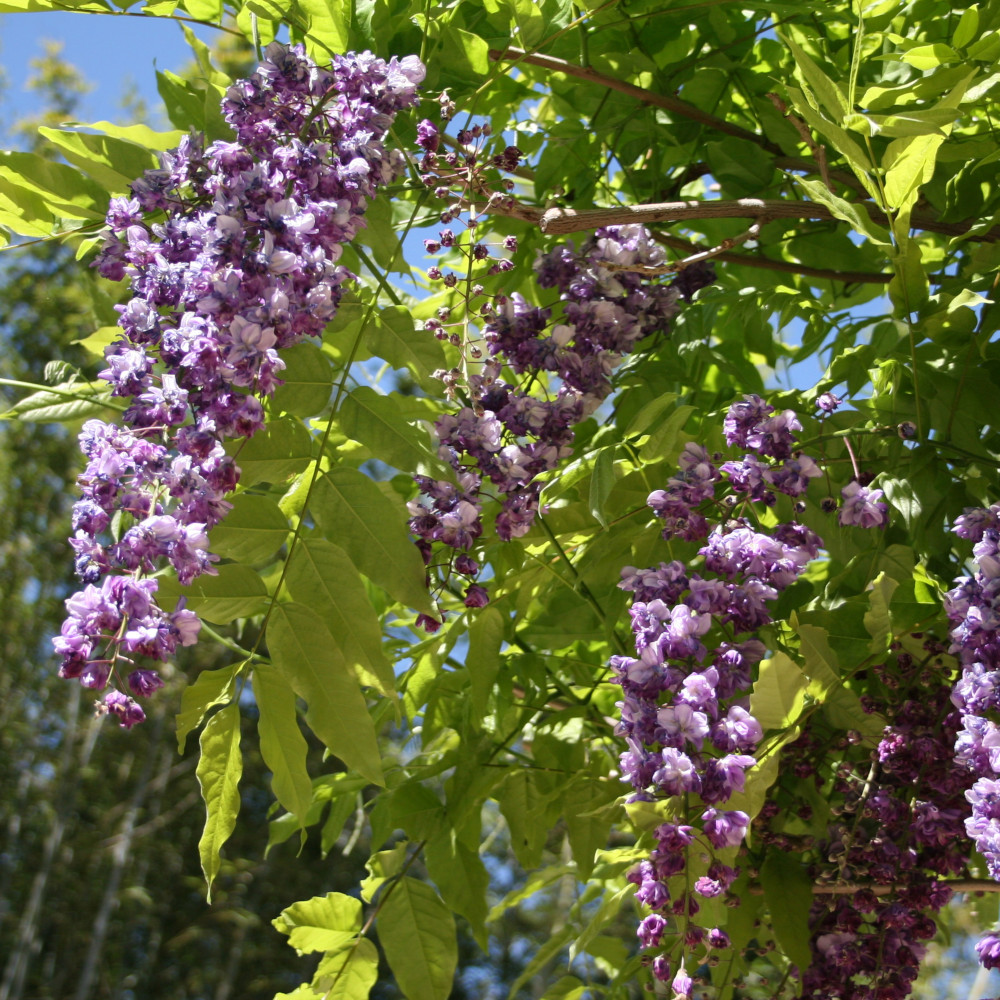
[155, 17]
[581, 586]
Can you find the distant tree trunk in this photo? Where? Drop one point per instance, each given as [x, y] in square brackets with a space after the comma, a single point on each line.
[119, 858]
[16, 969]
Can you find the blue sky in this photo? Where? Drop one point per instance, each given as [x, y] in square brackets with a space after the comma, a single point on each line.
[110, 51]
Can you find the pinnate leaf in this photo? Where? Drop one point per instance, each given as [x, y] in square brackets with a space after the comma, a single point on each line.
[323, 923]
[417, 932]
[304, 651]
[282, 744]
[219, 770]
[322, 575]
[355, 514]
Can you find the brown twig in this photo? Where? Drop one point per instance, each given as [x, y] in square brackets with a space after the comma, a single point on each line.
[696, 258]
[785, 266]
[818, 150]
[672, 104]
[878, 889]
[562, 221]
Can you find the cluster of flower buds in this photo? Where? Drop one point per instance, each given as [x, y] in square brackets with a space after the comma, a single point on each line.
[511, 434]
[232, 254]
[973, 607]
[684, 712]
[897, 828]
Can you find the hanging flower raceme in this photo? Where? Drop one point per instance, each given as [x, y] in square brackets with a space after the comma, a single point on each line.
[511, 434]
[232, 253]
[895, 830]
[973, 607]
[684, 714]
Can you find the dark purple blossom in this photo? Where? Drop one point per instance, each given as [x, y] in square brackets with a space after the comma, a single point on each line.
[244, 263]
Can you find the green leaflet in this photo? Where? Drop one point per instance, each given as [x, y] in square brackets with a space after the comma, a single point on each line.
[282, 744]
[322, 575]
[483, 660]
[377, 422]
[348, 974]
[236, 591]
[461, 878]
[391, 336]
[417, 810]
[112, 162]
[220, 767]
[210, 688]
[821, 667]
[417, 932]
[326, 23]
[788, 894]
[69, 401]
[253, 530]
[855, 215]
[381, 867]
[307, 381]
[602, 479]
[778, 693]
[323, 923]
[274, 454]
[65, 192]
[304, 651]
[355, 514]
[877, 620]
[524, 808]
[589, 809]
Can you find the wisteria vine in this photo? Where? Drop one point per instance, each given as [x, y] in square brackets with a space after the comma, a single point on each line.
[684, 713]
[509, 434]
[232, 254]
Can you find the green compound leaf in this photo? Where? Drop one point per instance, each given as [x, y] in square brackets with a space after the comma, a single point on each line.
[282, 744]
[789, 897]
[236, 591]
[304, 651]
[274, 454]
[417, 931]
[219, 770]
[323, 923]
[392, 337]
[371, 528]
[252, 532]
[377, 422]
[211, 688]
[322, 575]
[348, 974]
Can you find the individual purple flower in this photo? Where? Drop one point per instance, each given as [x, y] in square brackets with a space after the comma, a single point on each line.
[476, 596]
[682, 985]
[862, 506]
[988, 950]
[828, 402]
[725, 828]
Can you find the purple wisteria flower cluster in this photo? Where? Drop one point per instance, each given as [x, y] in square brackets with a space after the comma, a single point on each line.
[511, 434]
[232, 253]
[973, 608]
[684, 712]
[897, 830]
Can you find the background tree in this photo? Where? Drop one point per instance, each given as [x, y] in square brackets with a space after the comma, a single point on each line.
[834, 166]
